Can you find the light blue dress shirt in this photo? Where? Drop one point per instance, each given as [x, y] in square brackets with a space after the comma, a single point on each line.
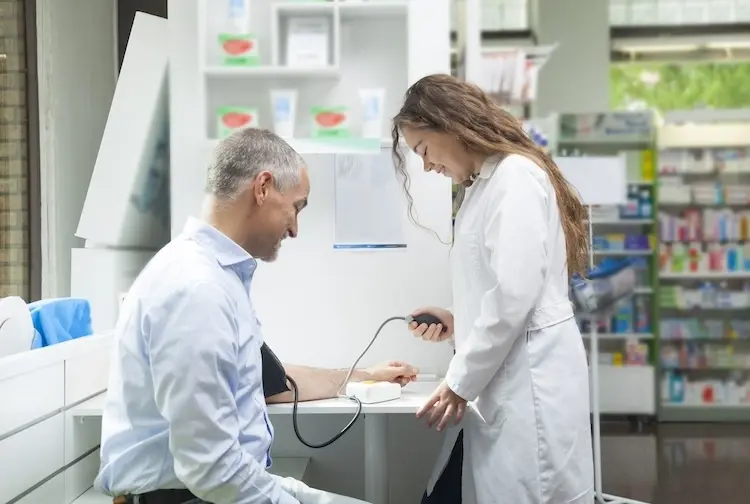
[185, 405]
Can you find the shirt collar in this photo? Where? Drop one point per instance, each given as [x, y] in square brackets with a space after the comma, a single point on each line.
[489, 166]
[226, 250]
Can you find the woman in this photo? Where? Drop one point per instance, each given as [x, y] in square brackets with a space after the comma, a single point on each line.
[520, 233]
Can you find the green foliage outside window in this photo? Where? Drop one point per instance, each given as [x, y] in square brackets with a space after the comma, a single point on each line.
[670, 86]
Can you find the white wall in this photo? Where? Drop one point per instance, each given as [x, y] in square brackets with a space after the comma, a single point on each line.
[77, 74]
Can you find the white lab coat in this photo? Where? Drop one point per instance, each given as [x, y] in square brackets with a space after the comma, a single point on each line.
[519, 354]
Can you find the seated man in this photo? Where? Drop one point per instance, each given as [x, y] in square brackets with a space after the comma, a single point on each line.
[185, 418]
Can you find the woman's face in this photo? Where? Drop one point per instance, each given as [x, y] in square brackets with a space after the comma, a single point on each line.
[441, 152]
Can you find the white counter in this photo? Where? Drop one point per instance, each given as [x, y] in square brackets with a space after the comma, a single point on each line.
[412, 398]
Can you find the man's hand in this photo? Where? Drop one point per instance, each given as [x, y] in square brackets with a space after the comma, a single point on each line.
[393, 371]
[443, 405]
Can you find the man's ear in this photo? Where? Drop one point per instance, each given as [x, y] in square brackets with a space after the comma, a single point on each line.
[262, 186]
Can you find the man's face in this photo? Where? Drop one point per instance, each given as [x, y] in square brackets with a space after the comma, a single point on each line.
[277, 216]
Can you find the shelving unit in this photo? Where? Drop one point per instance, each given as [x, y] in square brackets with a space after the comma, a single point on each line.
[704, 175]
[621, 232]
[358, 57]
[372, 44]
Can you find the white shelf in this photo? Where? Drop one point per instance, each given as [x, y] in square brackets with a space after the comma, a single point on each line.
[304, 8]
[695, 136]
[620, 336]
[91, 496]
[332, 146]
[706, 275]
[271, 72]
[622, 222]
[624, 141]
[353, 9]
[643, 290]
[646, 252]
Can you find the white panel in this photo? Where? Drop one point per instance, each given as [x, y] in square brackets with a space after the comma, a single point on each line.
[130, 178]
[81, 435]
[600, 180]
[86, 374]
[77, 73]
[80, 477]
[115, 272]
[52, 492]
[30, 456]
[356, 289]
[627, 390]
[429, 38]
[47, 388]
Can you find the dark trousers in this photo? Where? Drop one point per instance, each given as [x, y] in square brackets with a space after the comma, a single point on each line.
[448, 487]
[160, 497]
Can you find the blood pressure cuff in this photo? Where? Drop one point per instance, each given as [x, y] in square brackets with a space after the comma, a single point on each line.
[274, 376]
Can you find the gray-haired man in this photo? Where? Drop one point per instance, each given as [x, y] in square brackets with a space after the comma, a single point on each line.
[185, 418]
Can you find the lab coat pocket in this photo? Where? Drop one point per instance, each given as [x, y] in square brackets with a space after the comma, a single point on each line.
[487, 410]
[470, 254]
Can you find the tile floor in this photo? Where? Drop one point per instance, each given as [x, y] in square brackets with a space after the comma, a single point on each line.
[678, 463]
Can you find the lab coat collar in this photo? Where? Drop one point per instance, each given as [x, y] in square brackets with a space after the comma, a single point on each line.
[226, 250]
[489, 166]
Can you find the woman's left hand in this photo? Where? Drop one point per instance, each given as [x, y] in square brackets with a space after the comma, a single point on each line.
[443, 405]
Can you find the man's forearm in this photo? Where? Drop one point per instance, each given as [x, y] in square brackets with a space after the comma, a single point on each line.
[315, 383]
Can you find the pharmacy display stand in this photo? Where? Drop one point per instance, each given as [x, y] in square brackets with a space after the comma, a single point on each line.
[628, 340]
[600, 180]
[704, 178]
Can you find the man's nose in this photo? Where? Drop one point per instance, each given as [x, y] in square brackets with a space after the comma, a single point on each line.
[428, 166]
[292, 231]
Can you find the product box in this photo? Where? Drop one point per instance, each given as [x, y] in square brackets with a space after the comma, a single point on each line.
[231, 119]
[330, 122]
[239, 50]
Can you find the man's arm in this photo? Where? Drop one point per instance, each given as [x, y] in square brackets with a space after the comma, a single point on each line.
[315, 383]
[193, 351]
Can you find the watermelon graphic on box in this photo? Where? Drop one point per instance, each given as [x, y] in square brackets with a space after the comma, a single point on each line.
[239, 50]
[330, 122]
[231, 119]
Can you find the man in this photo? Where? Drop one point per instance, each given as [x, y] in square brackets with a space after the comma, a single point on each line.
[185, 418]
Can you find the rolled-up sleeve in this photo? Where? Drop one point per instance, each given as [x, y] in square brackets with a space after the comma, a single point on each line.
[193, 352]
[515, 232]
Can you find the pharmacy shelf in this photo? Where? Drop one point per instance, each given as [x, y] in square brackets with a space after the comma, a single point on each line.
[623, 222]
[271, 72]
[634, 252]
[706, 275]
[331, 146]
[671, 412]
[695, 136]
[620, 336]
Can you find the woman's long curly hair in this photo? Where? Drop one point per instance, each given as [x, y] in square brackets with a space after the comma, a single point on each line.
[446, 104]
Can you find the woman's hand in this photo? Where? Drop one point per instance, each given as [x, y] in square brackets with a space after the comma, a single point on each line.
[443, 405]
[433, 332]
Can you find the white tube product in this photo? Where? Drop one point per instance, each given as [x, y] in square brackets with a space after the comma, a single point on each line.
[373, 101]
[239, 17]
[284, 103]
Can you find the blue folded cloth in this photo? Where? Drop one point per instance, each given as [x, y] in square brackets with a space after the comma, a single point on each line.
[59, 320]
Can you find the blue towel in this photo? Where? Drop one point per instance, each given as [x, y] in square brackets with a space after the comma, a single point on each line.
[59, 320]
